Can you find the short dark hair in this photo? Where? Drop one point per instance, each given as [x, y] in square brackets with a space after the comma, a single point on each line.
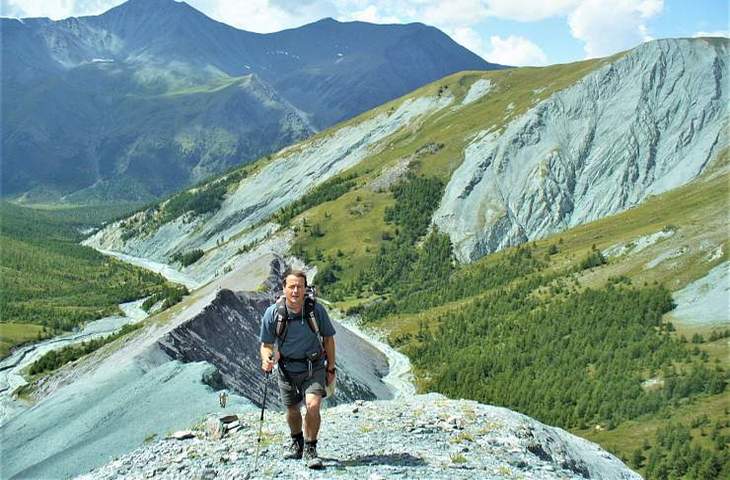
[296, 273]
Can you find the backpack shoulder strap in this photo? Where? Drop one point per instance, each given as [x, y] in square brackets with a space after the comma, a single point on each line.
[281, 316]
[312, 319]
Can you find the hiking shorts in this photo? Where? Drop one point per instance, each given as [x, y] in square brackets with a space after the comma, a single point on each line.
[306, 384]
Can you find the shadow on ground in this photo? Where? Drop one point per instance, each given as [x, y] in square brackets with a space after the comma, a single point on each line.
[395, 459]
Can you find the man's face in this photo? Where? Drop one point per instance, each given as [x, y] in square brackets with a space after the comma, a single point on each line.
[294, 290]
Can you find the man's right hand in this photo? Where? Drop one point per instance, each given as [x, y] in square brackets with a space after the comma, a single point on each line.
[267, 364]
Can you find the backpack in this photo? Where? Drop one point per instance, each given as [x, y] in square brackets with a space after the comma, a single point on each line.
[282, 315]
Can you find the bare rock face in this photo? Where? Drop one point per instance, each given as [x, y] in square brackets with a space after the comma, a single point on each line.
[638, 126]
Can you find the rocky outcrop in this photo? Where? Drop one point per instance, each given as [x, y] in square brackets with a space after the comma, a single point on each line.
[639, 126]
[225, 335]
[424, 436]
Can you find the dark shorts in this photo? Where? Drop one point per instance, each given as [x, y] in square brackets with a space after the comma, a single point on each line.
[306, 384]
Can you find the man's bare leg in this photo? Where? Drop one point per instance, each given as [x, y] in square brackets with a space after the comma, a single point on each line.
[294, 418]
[312, 419]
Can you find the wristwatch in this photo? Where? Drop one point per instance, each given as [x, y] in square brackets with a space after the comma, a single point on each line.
[331, 370]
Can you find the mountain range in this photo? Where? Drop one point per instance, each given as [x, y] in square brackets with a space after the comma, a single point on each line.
[152, 95]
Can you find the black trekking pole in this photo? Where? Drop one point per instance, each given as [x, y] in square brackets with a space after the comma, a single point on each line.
[261, 423]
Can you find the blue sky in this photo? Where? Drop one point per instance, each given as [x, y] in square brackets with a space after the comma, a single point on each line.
[514, 32]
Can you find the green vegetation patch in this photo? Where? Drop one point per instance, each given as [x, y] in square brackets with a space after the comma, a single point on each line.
[329, 190]
[188, 258]
[55, 359]
[169, 296]
[13, 334]
[199, 201]
[48, 279]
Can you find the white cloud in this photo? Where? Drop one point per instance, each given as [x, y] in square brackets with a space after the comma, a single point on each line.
[469, 38]
[372, 15]
[716, 33]
[529, 10]
[517, 51]
[261, 16]
[608, 27]
[455, 13]
[55, 9]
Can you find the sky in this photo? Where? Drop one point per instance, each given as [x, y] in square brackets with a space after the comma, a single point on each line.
[509, 32]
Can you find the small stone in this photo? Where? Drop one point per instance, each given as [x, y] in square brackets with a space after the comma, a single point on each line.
[355, 409]
[232, 425]
[229, 419]
[183, 435]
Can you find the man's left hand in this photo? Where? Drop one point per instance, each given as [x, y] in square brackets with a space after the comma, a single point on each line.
[330, 377]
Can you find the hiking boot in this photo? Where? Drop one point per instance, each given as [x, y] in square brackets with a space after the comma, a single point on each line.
[310, 456]
[294, 450]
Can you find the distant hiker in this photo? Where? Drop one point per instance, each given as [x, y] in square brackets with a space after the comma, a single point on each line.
[223, 399]
[304, 335]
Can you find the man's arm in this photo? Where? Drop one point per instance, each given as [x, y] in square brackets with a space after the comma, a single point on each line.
[329, 348]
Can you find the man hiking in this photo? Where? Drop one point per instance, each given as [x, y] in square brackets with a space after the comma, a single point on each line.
[295, 323]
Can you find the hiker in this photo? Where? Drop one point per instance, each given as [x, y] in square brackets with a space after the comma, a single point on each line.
[306, 361]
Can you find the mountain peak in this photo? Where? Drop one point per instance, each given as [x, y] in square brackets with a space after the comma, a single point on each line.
[147, 7]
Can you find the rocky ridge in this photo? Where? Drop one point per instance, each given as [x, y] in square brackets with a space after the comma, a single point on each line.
[424, 436]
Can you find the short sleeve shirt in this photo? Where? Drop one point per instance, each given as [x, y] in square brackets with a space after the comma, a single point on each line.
[300, 340]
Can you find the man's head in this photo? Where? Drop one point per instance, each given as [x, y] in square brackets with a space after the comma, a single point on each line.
[295, 286]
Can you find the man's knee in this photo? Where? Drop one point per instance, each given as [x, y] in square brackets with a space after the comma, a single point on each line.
[313, 403]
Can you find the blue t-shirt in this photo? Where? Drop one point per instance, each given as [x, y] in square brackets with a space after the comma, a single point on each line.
[300, 340]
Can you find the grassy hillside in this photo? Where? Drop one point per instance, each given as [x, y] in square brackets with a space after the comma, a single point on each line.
[50, 283]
